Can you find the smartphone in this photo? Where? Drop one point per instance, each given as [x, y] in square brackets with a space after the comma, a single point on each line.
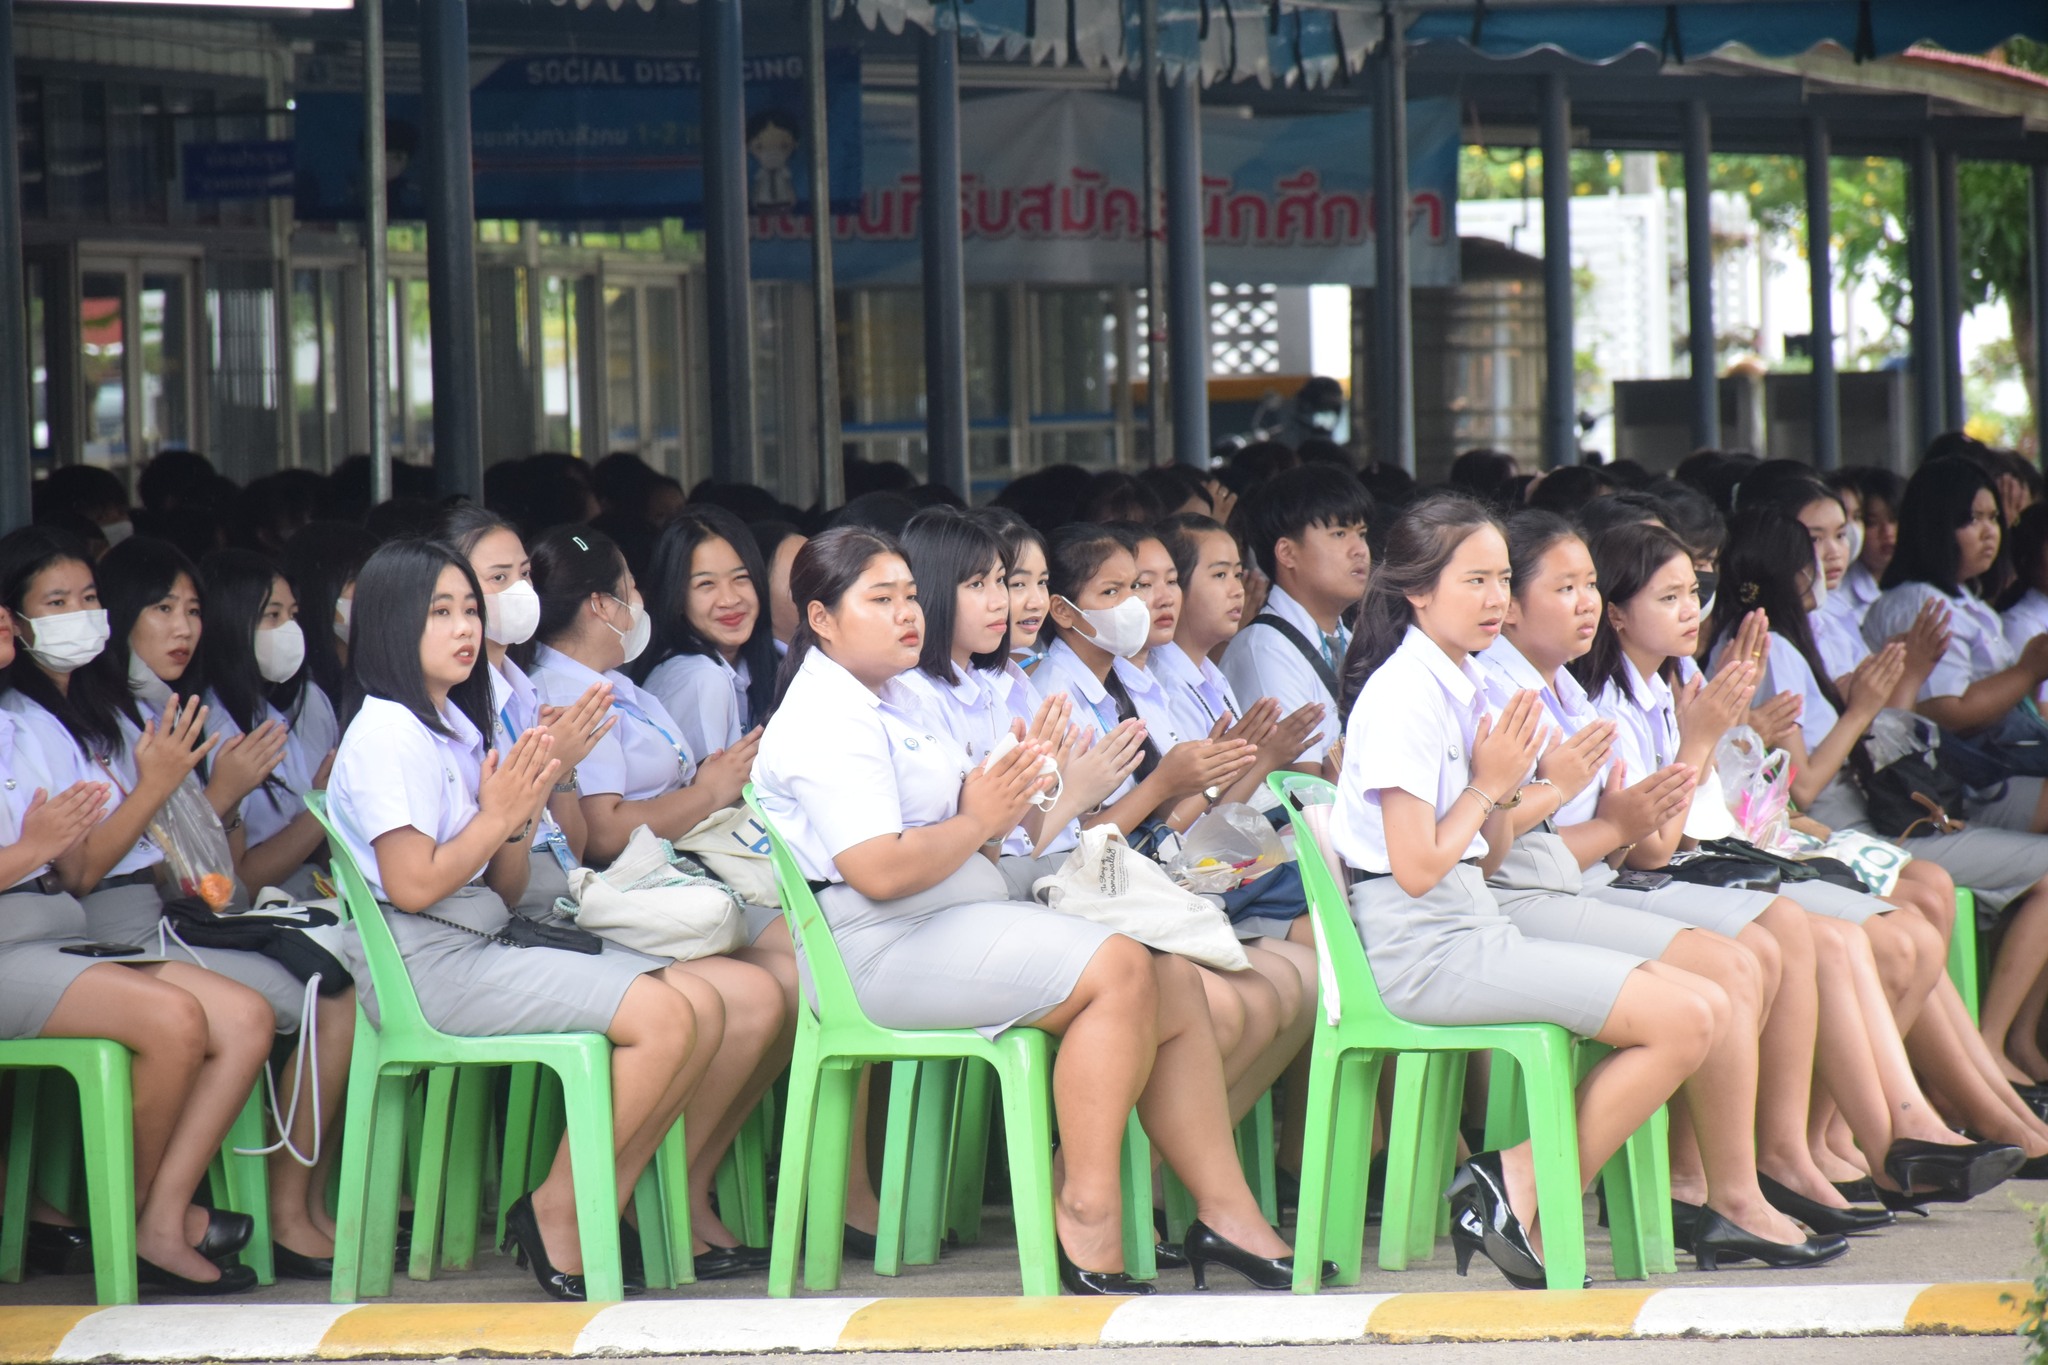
[101, 950]
[1629, 879]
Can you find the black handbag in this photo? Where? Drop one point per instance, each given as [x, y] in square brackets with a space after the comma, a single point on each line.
[1720, 869]
[1915, 791]
[195, 923]
[1792, 869]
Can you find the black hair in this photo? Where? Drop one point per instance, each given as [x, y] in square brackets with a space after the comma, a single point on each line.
[768, 535]
[1694, 518]
[237, 588]
[881, 510]
[1617, 510]
[464, 523]
[1257, 462]
[1074, 554]
[175, 479]
[1285, 506]
[773, 118]
[667, 591]
[1567, 489]
[1012, 530]
[2029, 542]
[947, 549]
[1788, 495]
[1768, 550]
[1484, 474]
[1172, 485]
[1874, 483]
[1420, 545]
[1626, 559]
[1182, 537]
[1531, 534]
[321, 560]
[131, 582]
[570, 564]
[79, 488]
[1936, 504]
[394, 592]
[1046, 497]
[825, 570]
[90, 706]
[1114, 496]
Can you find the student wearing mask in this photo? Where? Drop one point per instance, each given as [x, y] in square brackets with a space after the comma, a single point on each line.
[641, 772]
[895, 821]
[1306, 528]
[320, 562]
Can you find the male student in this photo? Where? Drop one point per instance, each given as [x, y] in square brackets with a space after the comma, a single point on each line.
[1306, 529]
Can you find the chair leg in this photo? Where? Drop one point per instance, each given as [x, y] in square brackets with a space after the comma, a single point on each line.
[593, 1170]
[831, 1141]
[1406, 1170]
[750, 1159]
[1180, 1204]
[106, 1110]
[521, 1095]
[387, 1137]
[672, 1170]
[15, 1196]
[1443, 1101]
[351, 1194]
[969, 1176]
[799, 1122]
[1505, 1104]
[1349, 1184]
[1962, 949]
[432, 1180]
[931, 1149]
[1318, 1153]
[1554, 1135]
[468, 1146]
[1026, 1083]
[898, 1146]
[1141, 1260]
[1255, 1151]
[242, 1183]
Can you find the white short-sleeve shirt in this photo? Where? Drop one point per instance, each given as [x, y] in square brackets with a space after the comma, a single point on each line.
[1645, 717]
[1786, 670]
[23, 772]
[840, 764]
[1426, 707]
[1261, 662]
[67, 763]
[308, 739]
[1838, 635]
[392, 772]
[1198, 692]
[1859, 592]
[975, 710]
[1093, 706]
[1505, 671]
[643, 756]
[2026, 618]
[707, 696]
[515, 709]
[1154, 704]
[1977, 646]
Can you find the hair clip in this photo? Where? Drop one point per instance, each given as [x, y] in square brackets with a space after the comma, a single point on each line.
[579, 544]
[1749, 593]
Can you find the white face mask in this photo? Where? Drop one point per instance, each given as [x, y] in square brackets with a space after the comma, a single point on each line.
[512, 616]
[279, 651]
[1820, 581]
[1122, 629]
[146, 685]
[634, 639]
[1855, 541]
[70, 640]
[1045, 800]
[342, 607]
[117, 531]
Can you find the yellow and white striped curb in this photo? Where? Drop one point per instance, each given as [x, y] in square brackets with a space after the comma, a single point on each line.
[35, 1336]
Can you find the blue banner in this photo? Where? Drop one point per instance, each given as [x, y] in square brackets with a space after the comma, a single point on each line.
[236, 170]
[590, 136]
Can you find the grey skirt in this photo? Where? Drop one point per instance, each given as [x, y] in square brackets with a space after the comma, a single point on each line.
[132, 914]
[960, 955]
[1999, 865]
[1539, 885]
[2011, 805]
[1835, 902]
[34, 970]
[546, 882]
[1453, 957]
[1726, 910]
[476, 988]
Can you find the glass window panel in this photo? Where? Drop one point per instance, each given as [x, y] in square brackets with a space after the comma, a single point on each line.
[38, 358]
[881, 357]
[1074, 369]
[561, 387]
[29, 113]
[394, 365]
[419, 369]
[138, 153]
[244, 390]
[102, 330]
[166, 362]
[665, 374]
[75, 127]
[622, 392]
[988, 354]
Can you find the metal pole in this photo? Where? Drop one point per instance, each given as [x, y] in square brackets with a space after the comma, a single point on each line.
[376, 241]
[1699, 277]
[1156, 360]
[728, 280]
[1187, 275]
[1393, 342]
[1820, 288]
[1923, 246]
[1951, 295]
[945, 280]
[824, 321]
[1560, 400]
[451, 247]
[2037, 185]
[17, 439]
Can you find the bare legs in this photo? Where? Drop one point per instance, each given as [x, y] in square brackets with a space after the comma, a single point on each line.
[2016, 988]
[298, 1200]
[752, 1001]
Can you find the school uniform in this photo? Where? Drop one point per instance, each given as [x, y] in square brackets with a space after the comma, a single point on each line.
[392, 772]
[310, 736]
[1978, 647]
[1261, 662]
[1094, 708]
[707, 697]
[515, 709]
[37, 919]
[1451, 955]
[1838, 637]
[126, 907]
[841, 764]
[2023, 620]
[1859, 591]
[2000, 865]
[1198, 695]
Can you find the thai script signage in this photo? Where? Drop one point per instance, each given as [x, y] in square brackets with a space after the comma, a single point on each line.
[568, 137]
[237, 170]
[1051, 192]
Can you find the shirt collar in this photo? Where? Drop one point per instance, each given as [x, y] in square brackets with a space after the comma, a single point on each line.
[1861, 583]
[830, 673]
[1062, 658]
[1461, 680]
[549, 659]
[1138, 680]
[1282, 604]
[1648, 693]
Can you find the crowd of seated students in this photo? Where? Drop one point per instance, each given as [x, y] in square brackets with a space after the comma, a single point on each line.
[1517, 687]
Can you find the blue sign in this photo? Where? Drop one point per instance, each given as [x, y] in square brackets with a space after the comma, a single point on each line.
[578, 136]
[237, 170]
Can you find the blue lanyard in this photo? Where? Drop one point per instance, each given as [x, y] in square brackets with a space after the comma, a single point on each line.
[551, 832]
[632, 712]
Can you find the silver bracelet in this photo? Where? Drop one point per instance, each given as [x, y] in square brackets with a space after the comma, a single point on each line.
[1491, 804]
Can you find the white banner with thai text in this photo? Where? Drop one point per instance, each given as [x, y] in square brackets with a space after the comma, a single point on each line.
[1051, 190]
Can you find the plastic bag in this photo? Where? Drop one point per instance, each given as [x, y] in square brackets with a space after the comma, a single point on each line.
[1226, 848]
[196, 858]
[1757, 785]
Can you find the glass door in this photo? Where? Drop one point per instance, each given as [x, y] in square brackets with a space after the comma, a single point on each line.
[133, 337]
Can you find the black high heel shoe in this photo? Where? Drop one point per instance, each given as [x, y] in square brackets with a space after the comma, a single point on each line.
[1685, 1226]
[1716, 1238]
[1820, 1217]
[1950, 1173]
[1204, 1247]
[1482, 1221]
[234, 1279]
[522, 1230]
[1862, 1191]
[1096, 1282]
[226, 1234]
[54, 1249]
[1898, 1201]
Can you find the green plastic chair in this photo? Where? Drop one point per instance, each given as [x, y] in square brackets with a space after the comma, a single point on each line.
[107, 1121]
[1962, 949]
[1355, 1034]
[386, 1056]
[834, 1042]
